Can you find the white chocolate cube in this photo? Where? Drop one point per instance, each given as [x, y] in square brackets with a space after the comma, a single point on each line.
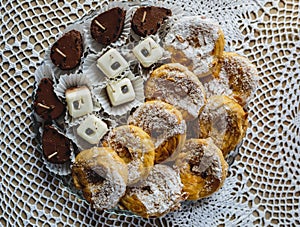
[112, 64]
[79, 101]
[92, 129]
[148, 52]
[120, 92]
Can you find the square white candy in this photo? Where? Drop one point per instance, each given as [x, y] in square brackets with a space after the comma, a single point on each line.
[112, 64]
[92, 129]
[79, 101]
[148, 52]
[120, 92]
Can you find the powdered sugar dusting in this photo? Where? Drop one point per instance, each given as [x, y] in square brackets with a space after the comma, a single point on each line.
[237, 79]
[160, 123]
[177, 86]
[195, 36]
[210, 161]
[161, 192]
[102, 175]
[130, 141]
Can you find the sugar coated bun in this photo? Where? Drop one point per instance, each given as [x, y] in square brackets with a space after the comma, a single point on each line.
[101, 175]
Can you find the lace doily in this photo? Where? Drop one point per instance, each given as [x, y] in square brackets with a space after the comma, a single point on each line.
[263, 187]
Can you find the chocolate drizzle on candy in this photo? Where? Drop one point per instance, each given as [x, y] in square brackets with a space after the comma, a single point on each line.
[46, 103]
[147, 20]
[67, 51]
[107, 27]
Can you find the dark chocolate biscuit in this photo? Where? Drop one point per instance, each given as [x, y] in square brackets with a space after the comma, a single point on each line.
[46, 103]
[107, 27]
[147, 20]
[56, 147]
[66, 52]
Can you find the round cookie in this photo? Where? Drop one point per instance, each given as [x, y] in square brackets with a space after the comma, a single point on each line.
[159, 194]
[165, 125]
[225, 121]
[135, 147]
[176, 85]
[203, 168]
[234, 76]
[195, 42]
[101, 175]
[66, 52]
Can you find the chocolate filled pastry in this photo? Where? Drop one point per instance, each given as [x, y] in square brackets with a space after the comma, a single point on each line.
[148, 19]
[46, 103]
[203, 168]
[66, 52]
[225, 121]
[56, 147]
[107, 27]
[135, 147]
[165, 124]
[159, 194]
[101, 175]
[234, 76]
[176, 85]
[195, 42]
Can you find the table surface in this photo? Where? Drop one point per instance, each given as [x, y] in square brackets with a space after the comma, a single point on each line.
[263, 184]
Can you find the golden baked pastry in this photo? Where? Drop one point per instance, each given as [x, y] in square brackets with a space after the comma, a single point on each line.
[225, 121]
[175, 84]
[136, 149]
[159, 194]
[165, 124]
[203, 168]
[195, 42]
[101, 175]
[234, 76]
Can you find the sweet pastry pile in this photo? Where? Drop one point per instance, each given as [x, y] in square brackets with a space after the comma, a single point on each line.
[148, 121]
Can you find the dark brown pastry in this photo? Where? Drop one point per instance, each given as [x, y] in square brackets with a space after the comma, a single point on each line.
[56, 147]
[67, 51]
[46, 103]
[147, 20]
[107, 27]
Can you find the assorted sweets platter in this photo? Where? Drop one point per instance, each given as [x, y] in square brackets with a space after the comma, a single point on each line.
[141, 105]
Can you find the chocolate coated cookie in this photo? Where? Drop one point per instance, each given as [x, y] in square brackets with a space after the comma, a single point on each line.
[107, 27]
[67, 51]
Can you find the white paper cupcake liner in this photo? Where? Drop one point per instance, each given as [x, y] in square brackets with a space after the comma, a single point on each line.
[69, 81]
[138, 86]
[57, 71]
[58, 169]
[81, 143]
[91, 70]
[96, 47]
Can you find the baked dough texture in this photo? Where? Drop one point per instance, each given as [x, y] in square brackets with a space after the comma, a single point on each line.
[195, 42]
[101, 175]
[159, 194]
[225, 121]
[175, 84]
[165, 125]
[203, 169]
[135, 147]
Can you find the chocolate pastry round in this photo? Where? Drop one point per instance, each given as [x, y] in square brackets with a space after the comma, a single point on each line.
[67, 51]
[46, 103]
[147, 20]
[107, 27]
[56, 147]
